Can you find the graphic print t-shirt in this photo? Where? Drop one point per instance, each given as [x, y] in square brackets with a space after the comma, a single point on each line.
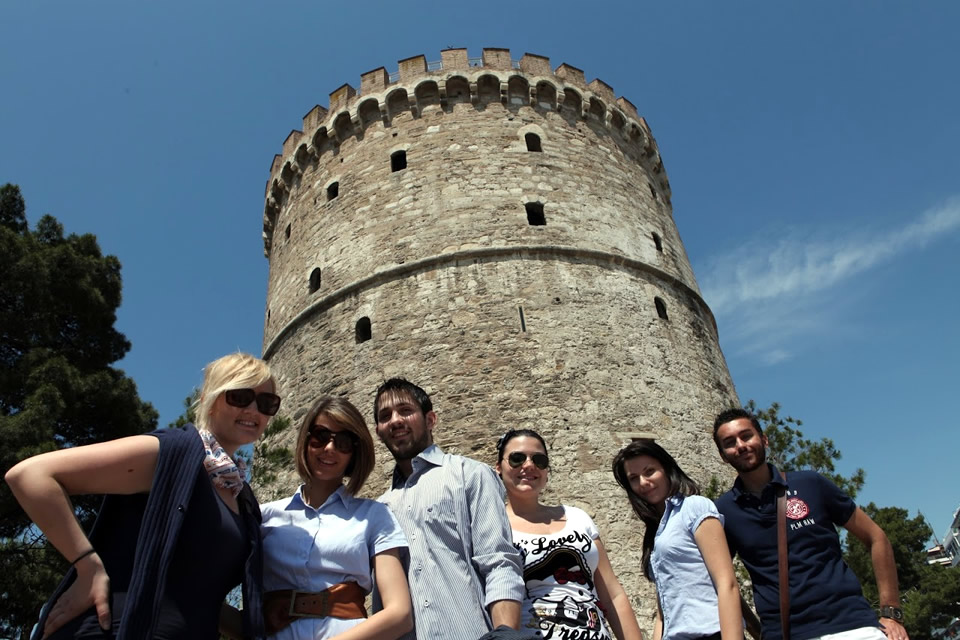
[558, 569]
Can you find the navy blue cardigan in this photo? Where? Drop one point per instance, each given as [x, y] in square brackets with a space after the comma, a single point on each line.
[181, 454]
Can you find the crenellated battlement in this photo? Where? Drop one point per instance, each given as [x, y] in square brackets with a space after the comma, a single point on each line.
[456, 78]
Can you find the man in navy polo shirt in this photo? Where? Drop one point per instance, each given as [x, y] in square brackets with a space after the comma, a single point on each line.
[825, 596]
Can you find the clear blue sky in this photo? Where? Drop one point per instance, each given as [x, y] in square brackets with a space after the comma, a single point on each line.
[812, 149]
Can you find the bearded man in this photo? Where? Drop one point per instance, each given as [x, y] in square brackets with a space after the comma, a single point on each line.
[465, 575]
[825, 596]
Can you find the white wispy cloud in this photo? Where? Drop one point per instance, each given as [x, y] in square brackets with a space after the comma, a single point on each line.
[766, 291]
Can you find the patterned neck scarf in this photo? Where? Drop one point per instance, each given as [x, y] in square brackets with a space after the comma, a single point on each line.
[225, 472]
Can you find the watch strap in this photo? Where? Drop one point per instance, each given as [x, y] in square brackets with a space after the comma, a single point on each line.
[892, 612]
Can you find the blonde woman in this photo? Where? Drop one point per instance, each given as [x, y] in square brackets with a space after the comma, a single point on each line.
[177, 529]
[321, 544]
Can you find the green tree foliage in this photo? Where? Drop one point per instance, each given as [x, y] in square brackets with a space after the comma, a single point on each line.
[929, 594]
[790, 451]
[58, 302]
[189, 414]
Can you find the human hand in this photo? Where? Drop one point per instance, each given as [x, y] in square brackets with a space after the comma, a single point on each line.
[893, 629]
[90, 589]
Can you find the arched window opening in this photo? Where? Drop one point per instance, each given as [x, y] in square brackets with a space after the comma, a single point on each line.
[661, 308]
[398, 160]
[398, 103]
[369, 113]
[518, 91]
[363, 331]
[657, 241]
[546, 96]
[458, 90]
[427, 95]
[315, 280]
[572, 105]
[533, 142]
[535, 215]
[333, 191]
[488, 89]
[286, 232]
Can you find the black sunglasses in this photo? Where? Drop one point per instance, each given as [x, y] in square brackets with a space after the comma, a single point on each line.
[517, 458]
[267, 403]
[343, 441]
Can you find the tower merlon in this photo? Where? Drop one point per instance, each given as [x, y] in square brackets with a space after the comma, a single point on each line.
[314, 118]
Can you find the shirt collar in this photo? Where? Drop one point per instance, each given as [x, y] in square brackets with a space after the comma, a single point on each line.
[671, 504]
[432, 455]
[775, 482]
[297, 502]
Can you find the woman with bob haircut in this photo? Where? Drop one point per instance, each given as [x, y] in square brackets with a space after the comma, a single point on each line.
[571, 590]
[685, 552]
[178, 528]
[321, 544]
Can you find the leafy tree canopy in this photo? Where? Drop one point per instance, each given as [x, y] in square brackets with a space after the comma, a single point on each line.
[189, 414]
[58, 301]
[929, 594]
[790, 451]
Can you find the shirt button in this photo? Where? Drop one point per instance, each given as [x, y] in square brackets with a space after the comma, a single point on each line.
[413, 535]
[426, 603]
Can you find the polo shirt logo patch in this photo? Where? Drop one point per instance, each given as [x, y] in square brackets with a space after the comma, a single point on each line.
[797, 509]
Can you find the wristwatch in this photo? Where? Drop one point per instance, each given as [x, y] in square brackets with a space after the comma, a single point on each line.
[892, 612]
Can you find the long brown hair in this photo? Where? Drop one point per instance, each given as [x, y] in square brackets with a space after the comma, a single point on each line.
[679, 483]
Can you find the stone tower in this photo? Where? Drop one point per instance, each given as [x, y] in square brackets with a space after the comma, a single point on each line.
[500, 233]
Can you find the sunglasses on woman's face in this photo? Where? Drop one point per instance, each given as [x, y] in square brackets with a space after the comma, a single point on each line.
[343, 441]
[517, 458]
[267, 403]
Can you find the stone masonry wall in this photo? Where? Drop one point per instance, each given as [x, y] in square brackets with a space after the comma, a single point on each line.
[440, 258]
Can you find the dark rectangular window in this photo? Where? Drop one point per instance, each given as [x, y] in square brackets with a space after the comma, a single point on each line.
[398, 160]
[535, 215]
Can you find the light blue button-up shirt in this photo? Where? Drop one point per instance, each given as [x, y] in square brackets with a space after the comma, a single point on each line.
[312, 549]
[462, 556]
[688, 598]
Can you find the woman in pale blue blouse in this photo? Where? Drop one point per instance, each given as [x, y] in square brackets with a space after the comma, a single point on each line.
[685, 552]
[320, 545]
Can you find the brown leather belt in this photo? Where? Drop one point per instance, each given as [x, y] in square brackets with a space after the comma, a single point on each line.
[343, 600]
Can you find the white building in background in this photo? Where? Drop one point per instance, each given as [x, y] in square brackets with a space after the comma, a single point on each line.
[951, 540]
[946, 553]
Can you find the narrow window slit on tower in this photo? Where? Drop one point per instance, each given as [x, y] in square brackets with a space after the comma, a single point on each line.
[398, 160]
[535, 215]
[661, 308]
[314, 280]
[523, 323]
[287, 232]
[653, 192]
[333, 191]
[657, 241]
[363, 330]
[533, 142]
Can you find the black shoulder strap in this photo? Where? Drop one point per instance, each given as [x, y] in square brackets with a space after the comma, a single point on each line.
[782, 564]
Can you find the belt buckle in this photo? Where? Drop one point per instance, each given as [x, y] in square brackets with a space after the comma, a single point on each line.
[323, 596]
